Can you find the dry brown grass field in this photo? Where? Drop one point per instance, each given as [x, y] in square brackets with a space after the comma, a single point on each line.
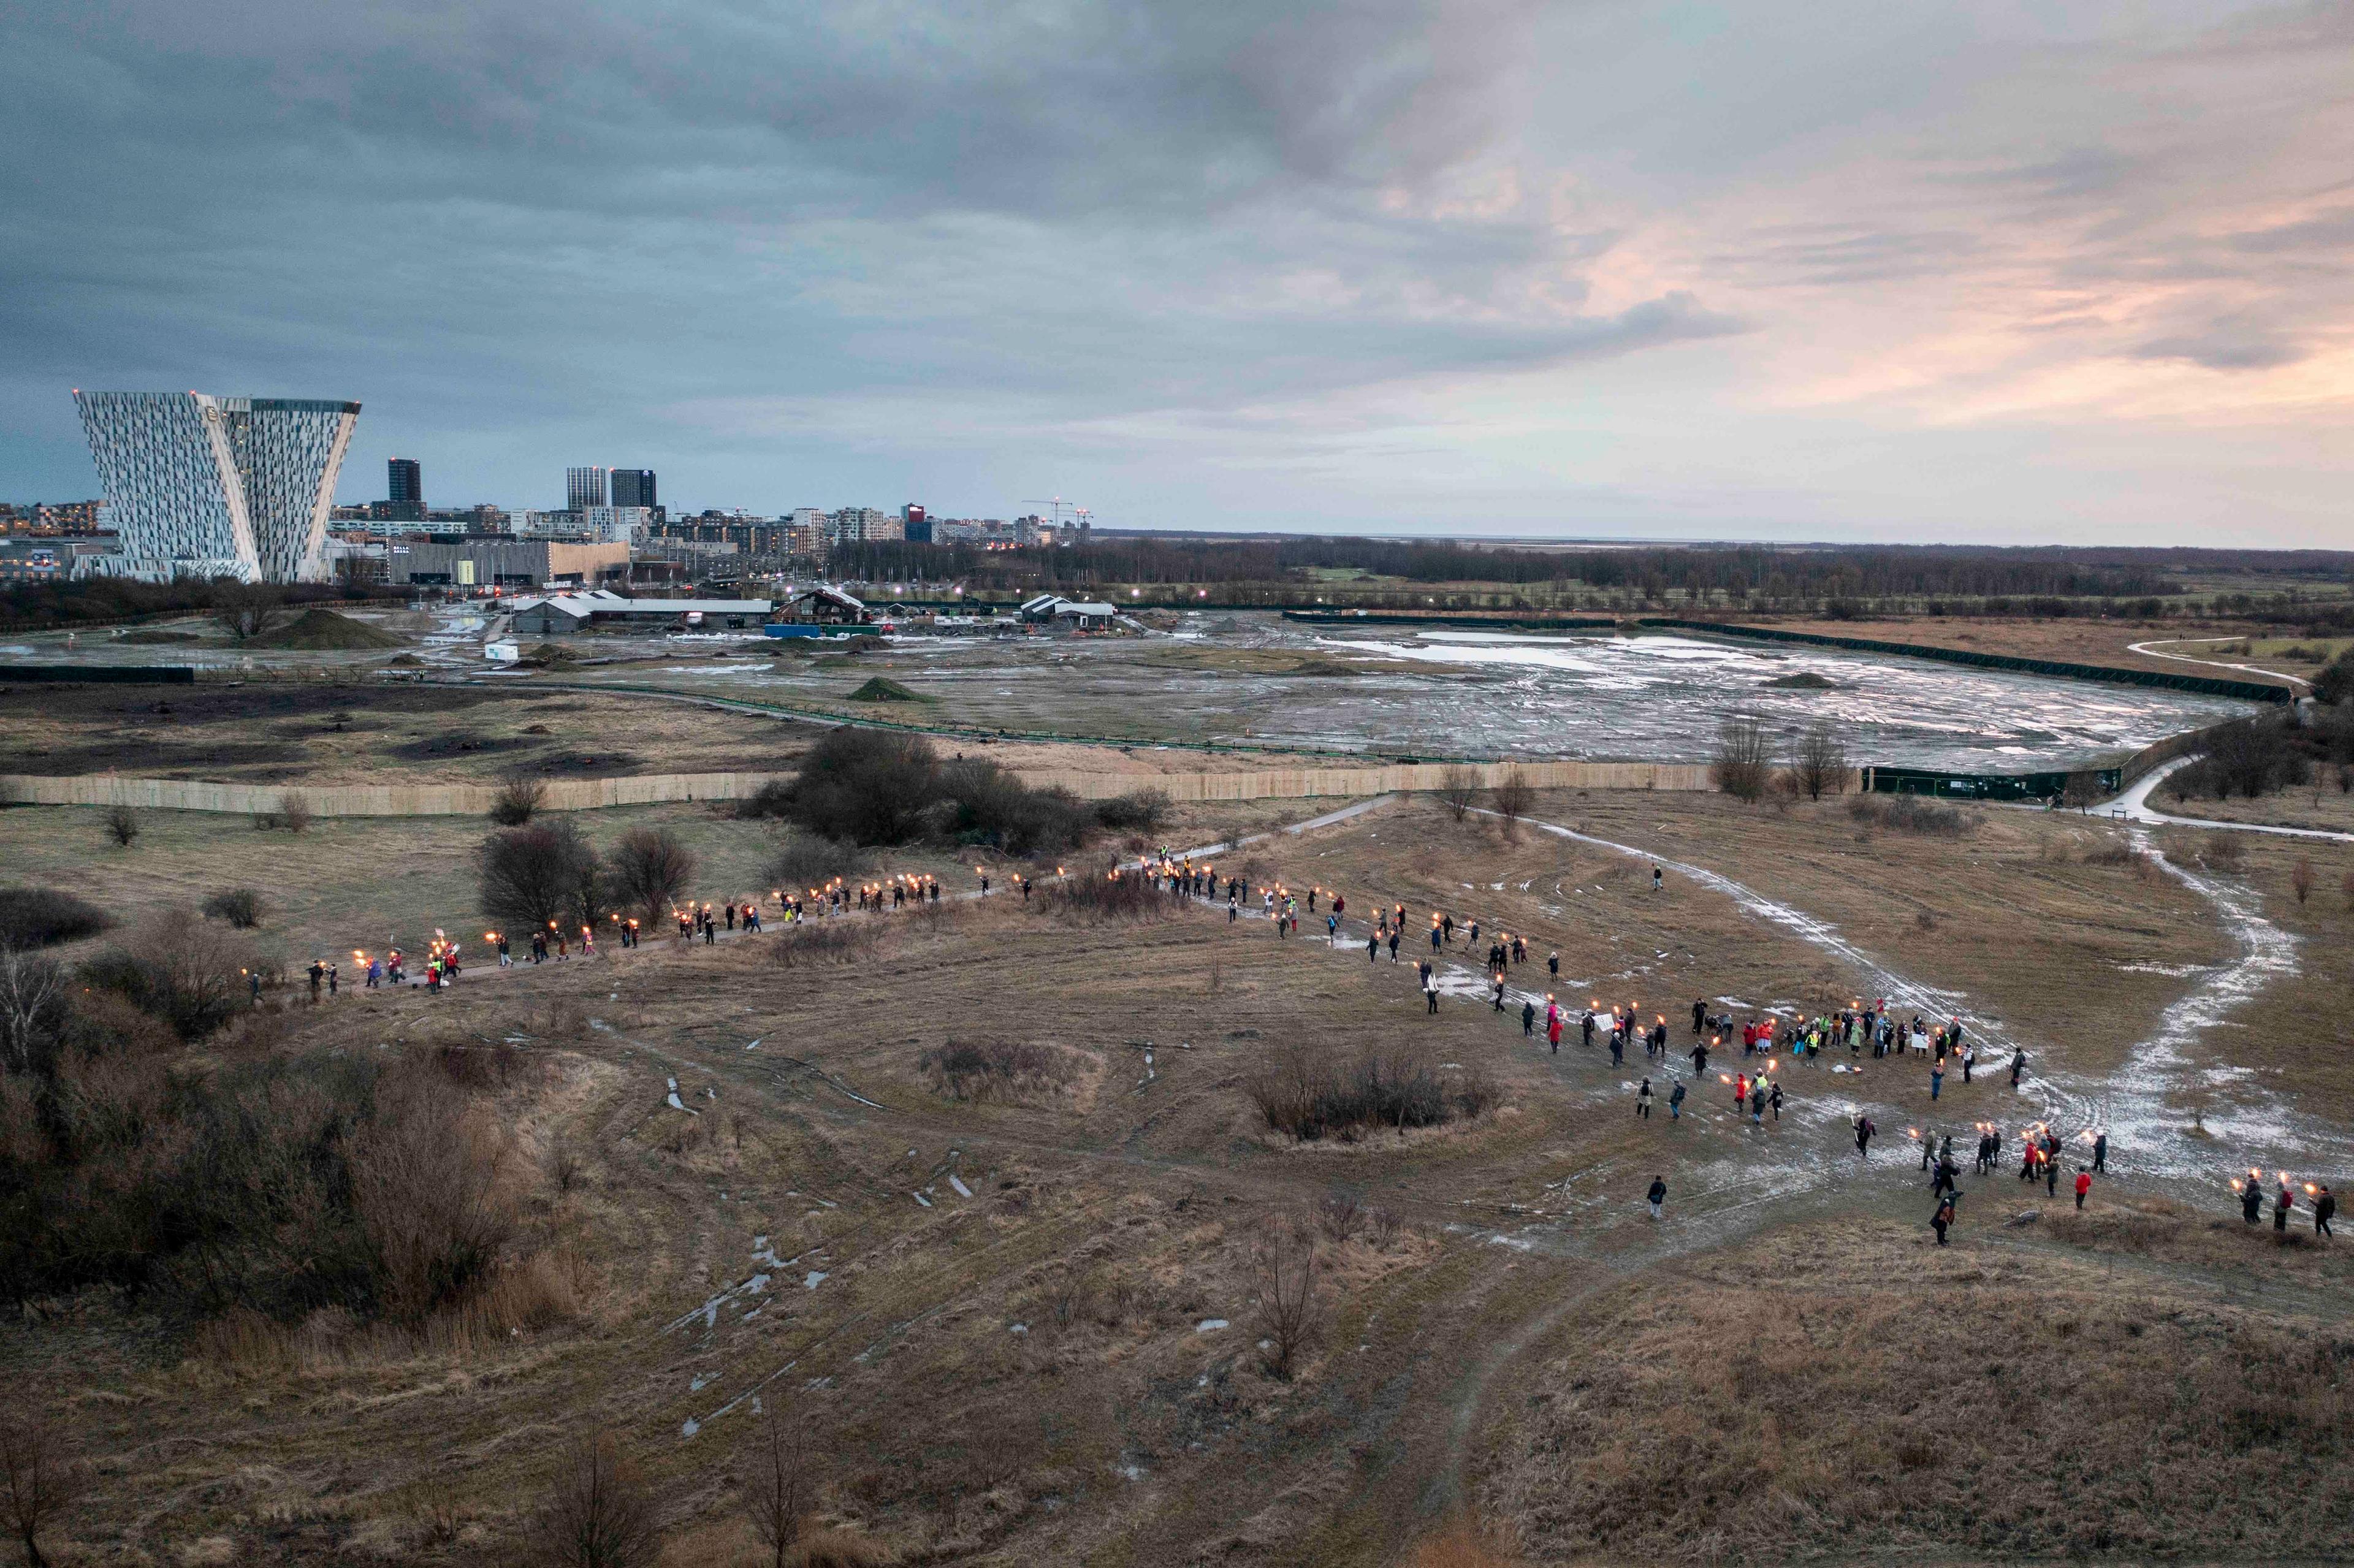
[2087, 642]
[979, 1199]
[286, 733]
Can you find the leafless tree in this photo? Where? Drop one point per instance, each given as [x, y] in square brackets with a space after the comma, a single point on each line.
[1283, 1267]
[1819, 766]
[1742, 767]
[122, 825]
[246, 612]
[599, 1515]
[1511, 795]
[39, 1479]
[293, 812]
[2300, 880]
[32, 989]
[1458, 787]
[779, 1492]
[2081, 791]
[532, 875]
[649, 868]
[520, 795]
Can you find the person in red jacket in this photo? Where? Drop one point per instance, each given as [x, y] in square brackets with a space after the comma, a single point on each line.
[2083, 1184]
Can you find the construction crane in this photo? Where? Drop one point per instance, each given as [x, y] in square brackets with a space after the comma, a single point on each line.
[1056, 507]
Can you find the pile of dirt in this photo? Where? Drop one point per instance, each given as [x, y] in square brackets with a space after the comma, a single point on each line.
[1804, 681]
[546, 653]
[319, 629]
[404, 662]
[880, 690]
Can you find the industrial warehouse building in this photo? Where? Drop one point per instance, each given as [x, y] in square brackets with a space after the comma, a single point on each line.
[509, 563]
[598, 611]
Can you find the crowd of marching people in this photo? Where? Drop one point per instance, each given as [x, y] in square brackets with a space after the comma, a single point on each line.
[1766, 1038]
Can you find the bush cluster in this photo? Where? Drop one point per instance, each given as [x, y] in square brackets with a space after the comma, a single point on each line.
[879, 786]
[1311, 1096]
[995, 1069]
[1909, 814]
[38, 916]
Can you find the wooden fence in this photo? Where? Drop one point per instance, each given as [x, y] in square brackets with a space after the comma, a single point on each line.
[592, 794]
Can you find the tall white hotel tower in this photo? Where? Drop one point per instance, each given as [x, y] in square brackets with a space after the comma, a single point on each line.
[203, 487]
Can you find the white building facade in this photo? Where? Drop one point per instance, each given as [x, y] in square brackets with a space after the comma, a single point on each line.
[201, 486]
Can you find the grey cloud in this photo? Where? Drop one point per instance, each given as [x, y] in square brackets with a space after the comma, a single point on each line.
[2224, 348]
[2332, 231]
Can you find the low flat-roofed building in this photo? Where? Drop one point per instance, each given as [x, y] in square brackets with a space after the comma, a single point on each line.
[509, 563]
[596, 611]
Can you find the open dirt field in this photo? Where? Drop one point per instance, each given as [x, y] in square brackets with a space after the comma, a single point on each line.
[1024, 1314]
[268, 734]
[2082, 641]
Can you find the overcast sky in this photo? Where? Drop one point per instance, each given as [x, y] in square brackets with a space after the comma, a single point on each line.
[1846, 269]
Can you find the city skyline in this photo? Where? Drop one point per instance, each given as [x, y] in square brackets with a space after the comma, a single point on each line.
[1460, 268]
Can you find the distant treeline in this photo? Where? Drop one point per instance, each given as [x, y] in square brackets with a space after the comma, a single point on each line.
[98, 600]
[2035, 581]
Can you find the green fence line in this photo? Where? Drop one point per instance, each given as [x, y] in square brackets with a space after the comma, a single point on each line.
[2208, 685]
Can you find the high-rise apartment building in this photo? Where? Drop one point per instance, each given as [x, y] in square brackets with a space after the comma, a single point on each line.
[584, 487]
[633, 487]
[404, 481]
[204, 486]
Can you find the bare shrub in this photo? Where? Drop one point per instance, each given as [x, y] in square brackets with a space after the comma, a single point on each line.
[1341, 1213]
[1011, 1070]
[871, 786]
[1925, 920]
[518, 799]
[1911, 814]
[2301, 879]
[598, 1514]
[804, 862]
[37, 916]
[2223, 851]
[2346, 887]
[1818, 764]
[1458, 788]
[647, 868]
[192, 976]
[828, 942]
[40, 1477]
[1387, 1225]
[122, 825]
[1311, 1096]
[1101, 895]
[240, 906]
[532, 876]
[1139, 811]
[1512, 795]
[294, 811]
[1286, 1309]
[779, 1490]
[426, 1183]
[1742, 766]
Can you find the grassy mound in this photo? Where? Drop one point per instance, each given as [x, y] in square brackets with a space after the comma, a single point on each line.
[879, 690]
[319, 630]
